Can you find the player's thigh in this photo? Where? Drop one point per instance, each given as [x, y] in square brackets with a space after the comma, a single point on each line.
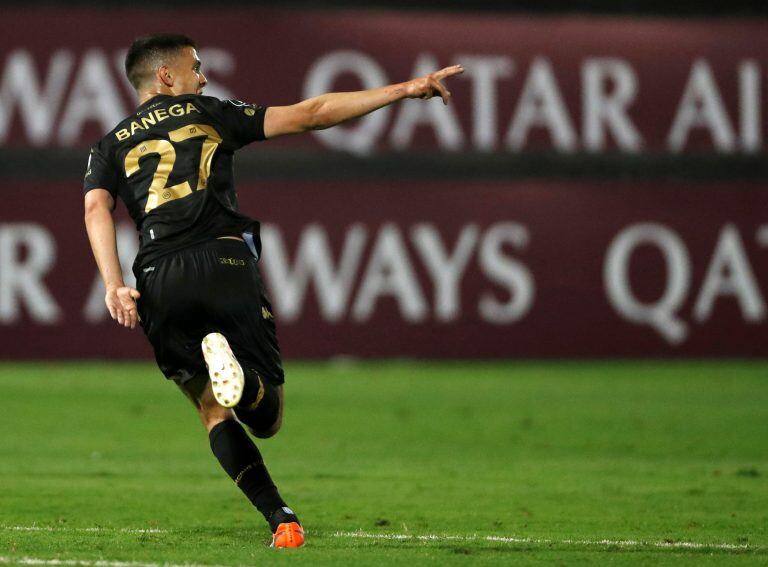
[172, 315]
[212, 287]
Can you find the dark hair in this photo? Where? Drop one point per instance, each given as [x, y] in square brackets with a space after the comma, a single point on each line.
[149, 51]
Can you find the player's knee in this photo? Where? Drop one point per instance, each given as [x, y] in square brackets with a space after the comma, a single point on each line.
[270, 431]
[213, 414]
[265, 419]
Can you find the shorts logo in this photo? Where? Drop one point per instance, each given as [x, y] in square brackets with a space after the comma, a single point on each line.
[265, 313]
[232, 261]
[249, 112]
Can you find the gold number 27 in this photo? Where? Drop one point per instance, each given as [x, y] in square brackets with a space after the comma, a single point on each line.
[159, 192]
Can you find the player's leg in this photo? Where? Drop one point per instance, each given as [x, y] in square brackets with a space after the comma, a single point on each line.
[256, 401]
[197, 389]
[262, 411]
[177, 306]
[242, 461]
[240, 314]
[243, 315]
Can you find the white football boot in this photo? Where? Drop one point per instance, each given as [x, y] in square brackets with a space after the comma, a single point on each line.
[226, 374]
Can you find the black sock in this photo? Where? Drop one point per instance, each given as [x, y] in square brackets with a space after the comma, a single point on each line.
[260, 404]
[253, 389]
[281, 516]
[241, 459]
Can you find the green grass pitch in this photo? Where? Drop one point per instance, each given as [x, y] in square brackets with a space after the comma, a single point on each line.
[534, 463]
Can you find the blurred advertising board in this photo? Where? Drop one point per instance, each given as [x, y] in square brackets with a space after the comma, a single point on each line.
[436, 269]
[563, 84]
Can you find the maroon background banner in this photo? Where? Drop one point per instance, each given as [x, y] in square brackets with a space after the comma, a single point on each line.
[476, 269]
[564, 84]
[424, 268]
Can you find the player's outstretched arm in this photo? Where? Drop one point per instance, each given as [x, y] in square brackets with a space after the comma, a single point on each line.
[120, 299]
[330, 109]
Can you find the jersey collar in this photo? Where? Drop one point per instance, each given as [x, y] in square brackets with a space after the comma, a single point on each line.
[158, 98]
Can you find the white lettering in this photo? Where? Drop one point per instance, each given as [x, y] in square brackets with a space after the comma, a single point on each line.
[661, 314]
[702, 106]
[445, 269]
[21, 280]
[217, 62]
[484, 71]
[441, 118]
[730, 273]
[390, 272]
[762, 235]
[604, 111]
[541, 104]
[118, 66]
[94, 97]
[314, 261]
[38, 105]
[749, 106]
[505, 271]
[360, 138]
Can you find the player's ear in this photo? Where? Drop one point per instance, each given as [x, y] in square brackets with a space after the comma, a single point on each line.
[165, 76]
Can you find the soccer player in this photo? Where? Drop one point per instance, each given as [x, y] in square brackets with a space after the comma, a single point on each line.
[199, 296]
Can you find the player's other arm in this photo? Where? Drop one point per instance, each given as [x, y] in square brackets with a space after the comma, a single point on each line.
[120, 299]
[330, 109]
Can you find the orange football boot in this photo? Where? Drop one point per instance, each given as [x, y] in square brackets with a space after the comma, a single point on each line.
[289, 534]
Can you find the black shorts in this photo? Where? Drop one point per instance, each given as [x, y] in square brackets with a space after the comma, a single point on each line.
[211, 287]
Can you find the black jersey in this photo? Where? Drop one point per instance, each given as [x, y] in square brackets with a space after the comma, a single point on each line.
[171, 164]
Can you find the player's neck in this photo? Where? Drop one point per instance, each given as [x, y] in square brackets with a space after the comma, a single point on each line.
[144, 96]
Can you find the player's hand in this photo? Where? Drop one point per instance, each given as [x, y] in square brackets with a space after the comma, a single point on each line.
[431, 85]
[121, 302]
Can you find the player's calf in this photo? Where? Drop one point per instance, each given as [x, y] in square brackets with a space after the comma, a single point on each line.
[242, 461]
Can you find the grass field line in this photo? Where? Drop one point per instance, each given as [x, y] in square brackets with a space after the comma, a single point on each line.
[542, 541]
[95, 529]
[89, 562]
[607, 543]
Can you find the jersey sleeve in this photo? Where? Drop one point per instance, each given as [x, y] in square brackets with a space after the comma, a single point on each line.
[99, 173]
[245, 122]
